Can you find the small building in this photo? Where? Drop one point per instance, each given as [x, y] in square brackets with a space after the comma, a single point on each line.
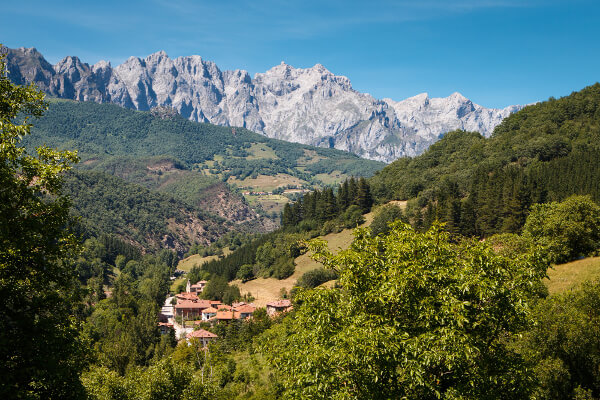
[275, 307]
[187, 296]
[203, 337]
[208, 313]
[244, 311]
[198, 287]
[224, 316]
[165, 328]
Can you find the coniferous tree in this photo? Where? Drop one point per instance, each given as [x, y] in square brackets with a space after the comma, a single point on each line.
[342, 196]
[352, 191]
[363, 195]
[287, 216]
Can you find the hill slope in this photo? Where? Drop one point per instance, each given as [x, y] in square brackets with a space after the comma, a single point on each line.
[100, 131]
[151, 221]
[166, 152]
[534, 136]
[568, 276]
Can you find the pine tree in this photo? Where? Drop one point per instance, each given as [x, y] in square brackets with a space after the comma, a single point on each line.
[287, 217]
[352, 192]
[342, 196]
[364, 198]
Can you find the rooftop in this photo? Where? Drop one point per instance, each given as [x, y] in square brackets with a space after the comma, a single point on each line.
[280, 303]
[201, 333]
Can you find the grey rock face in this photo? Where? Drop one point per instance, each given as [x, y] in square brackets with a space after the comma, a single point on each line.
[311, 105]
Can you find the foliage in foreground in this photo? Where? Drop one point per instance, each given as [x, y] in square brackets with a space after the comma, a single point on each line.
[416, 317]
[564, 345]
[40, 354]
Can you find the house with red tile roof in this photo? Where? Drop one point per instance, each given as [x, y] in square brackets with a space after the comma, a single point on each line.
[208, 313]
[275, 307]
[187, 296]
[165, 328]
[203, 337]
[224, 316]
[244, 311]
[188, 309]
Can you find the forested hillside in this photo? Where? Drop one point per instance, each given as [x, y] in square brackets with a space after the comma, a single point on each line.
[99, 131]
[151, 221]
[480, 186]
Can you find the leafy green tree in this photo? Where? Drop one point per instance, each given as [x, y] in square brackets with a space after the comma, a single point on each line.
[563, 345]
[570, 229]
[415, 317]
[352, 217]
[386, 215]
[246, 273]
[316, 277]
[40, 353]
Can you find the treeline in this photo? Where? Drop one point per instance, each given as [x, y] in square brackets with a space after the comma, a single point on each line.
[499, 201]
[272, 255]
[542, 132]
[324, 205]
[269, 255]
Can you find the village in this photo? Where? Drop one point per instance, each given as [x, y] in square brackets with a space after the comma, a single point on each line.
[186, 314]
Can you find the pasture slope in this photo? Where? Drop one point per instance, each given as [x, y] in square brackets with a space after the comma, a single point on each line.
[265, 290]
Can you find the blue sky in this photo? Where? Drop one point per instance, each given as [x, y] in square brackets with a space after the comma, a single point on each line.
[495, 52]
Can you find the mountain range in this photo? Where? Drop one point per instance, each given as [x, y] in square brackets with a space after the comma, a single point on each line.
[305, 105]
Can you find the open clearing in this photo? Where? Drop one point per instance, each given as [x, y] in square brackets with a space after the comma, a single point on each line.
[176, 283]
[261, 151]
[187, 263]
[266, 183]
[570, 275]
[269, 289]
[333, 178]
[269, 203]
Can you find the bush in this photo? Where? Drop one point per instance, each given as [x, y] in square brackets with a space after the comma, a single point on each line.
[352, 217]
[385, 215]
[316, 277]
[246, 273]
[283, 268]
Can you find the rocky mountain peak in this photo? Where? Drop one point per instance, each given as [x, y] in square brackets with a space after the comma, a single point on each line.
[457, 97]
[306, 105]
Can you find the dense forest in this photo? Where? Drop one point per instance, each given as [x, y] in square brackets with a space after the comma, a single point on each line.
[105, 204]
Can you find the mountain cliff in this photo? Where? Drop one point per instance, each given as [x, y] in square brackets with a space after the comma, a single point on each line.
[304, 105]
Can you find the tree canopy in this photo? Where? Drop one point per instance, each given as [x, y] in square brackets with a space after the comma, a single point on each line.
[40, 354]
[416, 316]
